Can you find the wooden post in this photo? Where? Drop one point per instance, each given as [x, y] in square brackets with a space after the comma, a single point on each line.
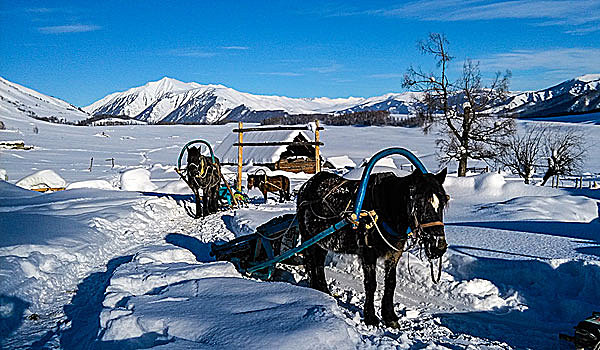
[240, 157]
[91, 163]
[317, 148]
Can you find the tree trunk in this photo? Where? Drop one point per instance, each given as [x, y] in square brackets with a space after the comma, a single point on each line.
[549, 173]
[462, 165]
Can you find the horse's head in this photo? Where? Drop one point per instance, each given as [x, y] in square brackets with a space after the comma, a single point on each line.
[193, 155]
[198, 165]
[426, 201]
[253, 181]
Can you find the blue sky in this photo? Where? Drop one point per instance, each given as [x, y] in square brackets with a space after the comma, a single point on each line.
[81, 51]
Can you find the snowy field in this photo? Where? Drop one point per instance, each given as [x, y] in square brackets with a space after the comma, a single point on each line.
[100, 265]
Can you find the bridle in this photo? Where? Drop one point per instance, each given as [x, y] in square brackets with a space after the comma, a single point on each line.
[422, 236]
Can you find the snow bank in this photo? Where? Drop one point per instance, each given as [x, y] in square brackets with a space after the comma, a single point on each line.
[185, 304]
[42, 179]
[557, 290]
[3, 175]
[175, 187]
[52, 241]
[341, 162]
[98, 184]
[137, 180]
[513, 200]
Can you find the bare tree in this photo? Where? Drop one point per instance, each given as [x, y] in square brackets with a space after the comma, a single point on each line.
[460, 107]
[523, 151]
[564, 149]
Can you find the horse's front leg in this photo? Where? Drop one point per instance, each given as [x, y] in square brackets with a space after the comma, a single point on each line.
[214, 198]
[198, 202]
[264, 192]
[205, 202]
[369, 264]
[314, 263]
[387, 303]
[282, 196]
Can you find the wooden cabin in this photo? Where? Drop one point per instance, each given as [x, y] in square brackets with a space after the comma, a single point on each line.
[292, 158]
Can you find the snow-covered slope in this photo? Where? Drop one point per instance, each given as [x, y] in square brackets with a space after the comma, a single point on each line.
[581, 94]
[173, 101]
[17, 101]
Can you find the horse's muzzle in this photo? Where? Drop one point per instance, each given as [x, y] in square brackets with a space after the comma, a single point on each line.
[436, 245]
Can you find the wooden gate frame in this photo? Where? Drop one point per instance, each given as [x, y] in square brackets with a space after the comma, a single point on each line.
[240, 144]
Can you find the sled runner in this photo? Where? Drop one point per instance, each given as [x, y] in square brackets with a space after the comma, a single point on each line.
[271, 238]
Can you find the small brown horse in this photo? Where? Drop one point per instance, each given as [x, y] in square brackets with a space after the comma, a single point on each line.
[277, 184]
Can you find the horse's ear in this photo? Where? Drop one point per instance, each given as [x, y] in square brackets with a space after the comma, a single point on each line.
[441, 176]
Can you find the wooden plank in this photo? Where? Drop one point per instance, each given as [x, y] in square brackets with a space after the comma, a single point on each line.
[291, 143]
[240, 157]
[54, 189]
[274, 128]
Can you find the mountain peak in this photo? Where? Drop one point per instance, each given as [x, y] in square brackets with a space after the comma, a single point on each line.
[167, 84]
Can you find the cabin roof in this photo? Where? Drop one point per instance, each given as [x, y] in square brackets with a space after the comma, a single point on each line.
[228, 153]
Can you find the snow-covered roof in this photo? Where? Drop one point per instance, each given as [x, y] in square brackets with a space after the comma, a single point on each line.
[42, 179]
[228, 153]
[341, 162]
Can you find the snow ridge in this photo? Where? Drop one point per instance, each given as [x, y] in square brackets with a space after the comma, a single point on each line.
[17, 101]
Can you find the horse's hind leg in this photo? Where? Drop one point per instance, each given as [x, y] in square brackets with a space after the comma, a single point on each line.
[282, 196]
[369, 264]
[387, 303]
[314, 263]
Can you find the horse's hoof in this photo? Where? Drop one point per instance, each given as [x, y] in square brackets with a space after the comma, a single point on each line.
[392, 324]
[371, 320]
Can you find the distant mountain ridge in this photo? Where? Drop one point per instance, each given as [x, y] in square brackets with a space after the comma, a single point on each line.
[178, 102]
[173, 101]
[581, 94]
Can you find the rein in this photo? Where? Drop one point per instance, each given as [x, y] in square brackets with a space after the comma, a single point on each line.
[432, 224]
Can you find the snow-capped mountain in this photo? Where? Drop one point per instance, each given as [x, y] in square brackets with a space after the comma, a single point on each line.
[170, 100]
[17, 101]
[581, 94]
[179, 102]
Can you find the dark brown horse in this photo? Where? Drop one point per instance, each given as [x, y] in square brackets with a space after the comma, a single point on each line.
[277, 184]
[416, 201]
[203, 173]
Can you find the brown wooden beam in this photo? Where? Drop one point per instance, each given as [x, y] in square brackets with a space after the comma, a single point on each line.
[311, 143]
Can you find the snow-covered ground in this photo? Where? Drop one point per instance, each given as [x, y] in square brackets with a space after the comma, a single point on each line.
[101, 265]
